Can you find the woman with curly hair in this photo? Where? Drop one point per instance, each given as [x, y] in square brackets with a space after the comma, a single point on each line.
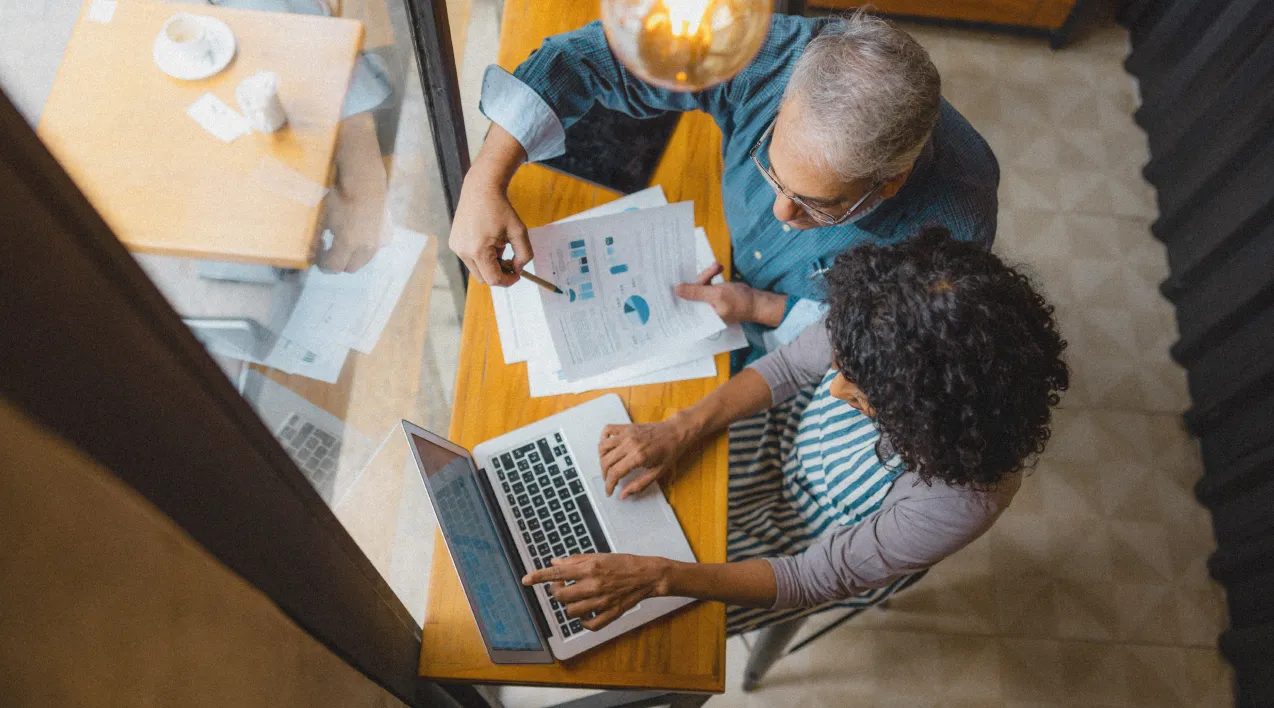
[863, 452]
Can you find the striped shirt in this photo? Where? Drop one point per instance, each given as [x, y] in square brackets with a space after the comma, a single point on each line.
[953, 184]
[915, 525]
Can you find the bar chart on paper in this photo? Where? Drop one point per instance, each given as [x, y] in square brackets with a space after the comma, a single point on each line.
[616, 268]
[578, 280]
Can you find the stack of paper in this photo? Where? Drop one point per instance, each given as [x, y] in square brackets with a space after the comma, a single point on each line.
[617, 322]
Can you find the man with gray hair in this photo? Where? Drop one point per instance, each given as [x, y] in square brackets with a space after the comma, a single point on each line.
[835, 135]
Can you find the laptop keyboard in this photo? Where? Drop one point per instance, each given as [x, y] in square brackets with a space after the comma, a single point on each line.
[554, 515]
[313, 449]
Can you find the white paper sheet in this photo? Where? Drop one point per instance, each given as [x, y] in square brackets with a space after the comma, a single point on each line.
[618, 273]
[546, 379]
[337, 312]
[694, 362]
[350, 310]
[517, 308]
[388, 272]
[294, 358]
[214, 116]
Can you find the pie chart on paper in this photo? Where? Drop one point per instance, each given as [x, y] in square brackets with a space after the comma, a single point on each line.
[637, 310]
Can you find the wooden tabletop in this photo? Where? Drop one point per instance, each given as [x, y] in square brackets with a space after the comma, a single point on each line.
[685, 651]
[165, 185]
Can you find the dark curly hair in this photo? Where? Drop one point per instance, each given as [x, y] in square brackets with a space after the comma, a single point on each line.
[955, 351]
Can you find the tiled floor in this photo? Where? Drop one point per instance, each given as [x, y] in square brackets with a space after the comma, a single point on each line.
[1091, 590]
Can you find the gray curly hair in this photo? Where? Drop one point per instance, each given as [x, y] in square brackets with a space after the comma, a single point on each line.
[868, 97]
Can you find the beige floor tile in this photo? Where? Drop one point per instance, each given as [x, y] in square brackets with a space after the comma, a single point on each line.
[1031, 670]
[1174, 676]
[1103, 543]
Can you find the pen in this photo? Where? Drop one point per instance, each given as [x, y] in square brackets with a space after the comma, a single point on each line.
[507, 267]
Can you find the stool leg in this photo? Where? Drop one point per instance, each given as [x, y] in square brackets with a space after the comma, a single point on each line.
[769, 649]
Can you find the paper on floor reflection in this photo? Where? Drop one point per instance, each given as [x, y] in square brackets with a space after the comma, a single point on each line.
[337, 312]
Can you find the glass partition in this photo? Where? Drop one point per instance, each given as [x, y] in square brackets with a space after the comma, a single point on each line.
[270, 164]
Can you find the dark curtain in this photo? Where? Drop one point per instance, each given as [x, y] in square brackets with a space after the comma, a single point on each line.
[1206, 72]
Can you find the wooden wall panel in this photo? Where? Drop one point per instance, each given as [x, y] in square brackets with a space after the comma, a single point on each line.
[1205, 68]
[1007, 12]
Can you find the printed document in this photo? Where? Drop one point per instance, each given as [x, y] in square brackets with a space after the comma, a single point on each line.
[696, 361]
[617, 274]
[518, 316]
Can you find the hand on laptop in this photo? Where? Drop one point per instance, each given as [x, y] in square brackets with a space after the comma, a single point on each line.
[608, 584]
[654, 446]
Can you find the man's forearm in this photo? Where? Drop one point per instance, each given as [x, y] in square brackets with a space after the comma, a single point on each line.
[499, 158]
[360, 172]
[749, 583]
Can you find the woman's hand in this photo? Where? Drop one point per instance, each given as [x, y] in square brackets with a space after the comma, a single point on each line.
[604, 585]
[654, 446]
[734, 302]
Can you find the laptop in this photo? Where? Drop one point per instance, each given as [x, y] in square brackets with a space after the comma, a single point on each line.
[328, 452]
[524, 498]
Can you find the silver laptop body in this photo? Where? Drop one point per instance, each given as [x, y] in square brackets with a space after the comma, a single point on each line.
[543, 488]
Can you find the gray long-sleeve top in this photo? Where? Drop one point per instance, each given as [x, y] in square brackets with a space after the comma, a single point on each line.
[916, 526]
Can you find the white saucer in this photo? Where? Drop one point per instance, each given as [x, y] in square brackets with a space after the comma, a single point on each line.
[219, 35]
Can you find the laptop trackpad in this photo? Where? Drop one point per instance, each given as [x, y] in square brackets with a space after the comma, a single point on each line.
[642, 524]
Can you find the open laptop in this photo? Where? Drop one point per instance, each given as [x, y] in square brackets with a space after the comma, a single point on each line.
[529, 496]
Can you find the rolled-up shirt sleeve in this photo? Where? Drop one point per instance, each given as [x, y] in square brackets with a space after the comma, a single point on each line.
[920, 526]
[803, 361]
[511, 104]
[798, 315]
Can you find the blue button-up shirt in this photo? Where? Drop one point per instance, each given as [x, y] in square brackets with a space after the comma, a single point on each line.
[953, 184]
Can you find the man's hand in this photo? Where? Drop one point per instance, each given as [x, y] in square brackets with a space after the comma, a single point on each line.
[485, 221]
[653, 446]
[605, 585]
[735, 302]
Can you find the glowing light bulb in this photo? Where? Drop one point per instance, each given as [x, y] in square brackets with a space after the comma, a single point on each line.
[685, 45]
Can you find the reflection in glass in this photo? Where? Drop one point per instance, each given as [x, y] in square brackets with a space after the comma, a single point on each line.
[306, 258]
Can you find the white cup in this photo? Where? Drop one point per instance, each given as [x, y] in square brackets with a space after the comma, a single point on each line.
[185, 38]
[258, 98]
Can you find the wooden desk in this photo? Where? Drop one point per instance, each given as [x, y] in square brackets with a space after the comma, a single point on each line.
[165, 185]
[686, 651]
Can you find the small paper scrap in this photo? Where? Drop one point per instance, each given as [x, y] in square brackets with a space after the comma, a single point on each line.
[287, 182]
[217, 118]
[102, 11]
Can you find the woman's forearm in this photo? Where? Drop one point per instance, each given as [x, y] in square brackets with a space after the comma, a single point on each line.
[749, 583]
[744, 394]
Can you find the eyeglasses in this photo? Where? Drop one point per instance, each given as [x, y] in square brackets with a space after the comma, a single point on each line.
[817, 214]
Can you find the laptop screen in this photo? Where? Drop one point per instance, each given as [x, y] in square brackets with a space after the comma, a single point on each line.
[493, 589]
